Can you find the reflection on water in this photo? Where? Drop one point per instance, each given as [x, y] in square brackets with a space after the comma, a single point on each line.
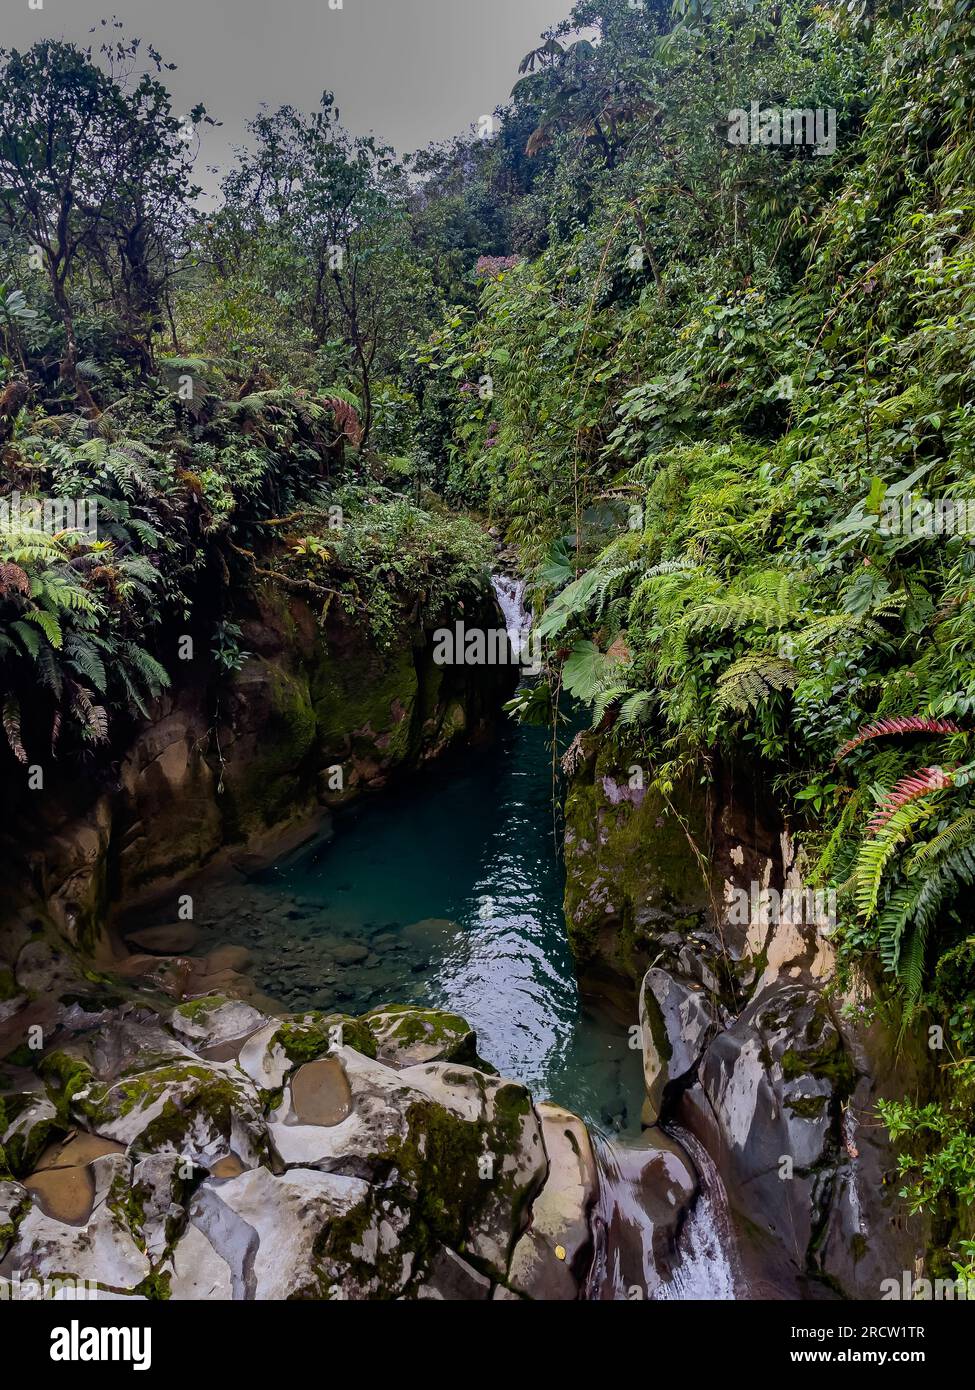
[449, 894]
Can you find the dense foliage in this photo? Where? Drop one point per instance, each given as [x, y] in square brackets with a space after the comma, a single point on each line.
[730, 400]
[717, 392]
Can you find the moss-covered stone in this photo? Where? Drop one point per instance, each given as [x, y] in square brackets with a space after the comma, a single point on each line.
[313, 1035]
[630, 869]
[267, 773]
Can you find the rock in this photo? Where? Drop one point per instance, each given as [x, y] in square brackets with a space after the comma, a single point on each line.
[263, 1058]
[40, 969]
[349, 953]
[646, 1191]
[197, 1271]
[102, 1249]
[28, 1121]
[676, 1020]
[66, 1194]
[452, 1279]
[235, 958]
[270, 1233]
[201, 1110]
[320, 1093]
[552, 1258]
[406, 1036]
[173, 939]
[213, 1020]
[774, 1084]
[370, 1181]
[14, 1203]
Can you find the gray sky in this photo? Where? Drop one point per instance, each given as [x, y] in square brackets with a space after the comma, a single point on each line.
[412, 71]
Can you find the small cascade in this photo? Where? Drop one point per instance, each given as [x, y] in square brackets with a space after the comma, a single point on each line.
[640, 1243]
[709, 1267]
[510, 594]
[623, 1228]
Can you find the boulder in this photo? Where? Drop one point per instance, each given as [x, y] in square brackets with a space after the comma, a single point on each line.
[676, 1020]
[773, 1086]
[552, 1258]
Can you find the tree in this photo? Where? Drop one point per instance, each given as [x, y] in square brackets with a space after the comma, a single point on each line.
[93, 171]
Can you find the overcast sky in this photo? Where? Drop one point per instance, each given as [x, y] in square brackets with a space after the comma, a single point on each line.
[411, 71]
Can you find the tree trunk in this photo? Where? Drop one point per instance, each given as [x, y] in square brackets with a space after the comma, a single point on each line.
[69, 362]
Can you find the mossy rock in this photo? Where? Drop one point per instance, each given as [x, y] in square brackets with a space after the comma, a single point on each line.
[268, 771]
[408, 1036]
[306, 1037]
[630, 871]
[364, 702]
[195, 1108]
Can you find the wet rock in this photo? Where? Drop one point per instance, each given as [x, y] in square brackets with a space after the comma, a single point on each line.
[452, 1279]
[270, 1231]
[67, 1194]
[646, 1191]
[349, 953]
[102, 1249]
[29, 1121]
[172, 939]
[370, 1181]
[40, 969]
[773, 1084]
[235, 958]
[202, 1110]
[210, 1021]
[676, 1020]
[320, 1093]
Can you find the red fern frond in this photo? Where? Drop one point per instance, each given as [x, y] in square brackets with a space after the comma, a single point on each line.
[13, 580]
[346, 418]
[908, 724]
[929, 779]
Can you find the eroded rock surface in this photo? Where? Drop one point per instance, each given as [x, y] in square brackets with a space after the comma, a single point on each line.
[313, 1158]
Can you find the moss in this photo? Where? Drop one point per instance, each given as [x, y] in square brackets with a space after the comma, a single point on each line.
[156, 1286]
[311, 1037]
[831, 1063]
[364, 702]
[65, 1075]
[806, 1107]
[8, 985]
[127, 1205]
[448, 1031]
[21, 1056]
[658, 1030]
[20, 1152]
[196, 1010]
[277, 776]
[622, 859]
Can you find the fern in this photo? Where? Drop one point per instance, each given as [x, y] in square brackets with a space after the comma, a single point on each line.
[884, 728]
[752, 680]
[11, 727]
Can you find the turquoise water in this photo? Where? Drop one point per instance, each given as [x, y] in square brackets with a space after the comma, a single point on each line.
[448, 893]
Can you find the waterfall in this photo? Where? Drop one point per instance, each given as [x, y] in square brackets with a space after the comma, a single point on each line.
[636, 1216]
[708, 1267]
[510, 594]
